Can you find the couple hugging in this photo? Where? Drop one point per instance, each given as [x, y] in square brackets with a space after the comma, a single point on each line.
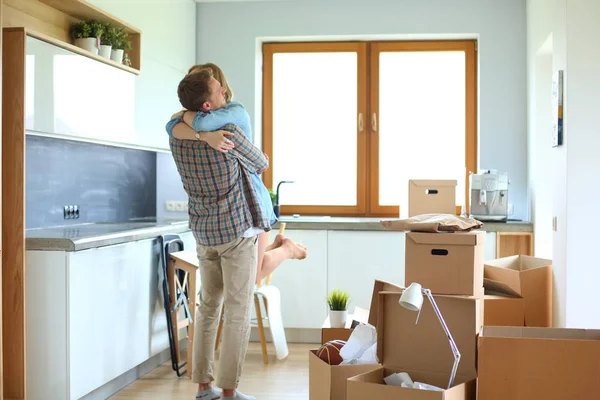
[230, 214]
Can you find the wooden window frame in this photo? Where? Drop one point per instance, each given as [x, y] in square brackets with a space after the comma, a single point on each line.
[368, 105]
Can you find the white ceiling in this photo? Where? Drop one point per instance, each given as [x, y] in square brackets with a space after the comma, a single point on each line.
[231, 1]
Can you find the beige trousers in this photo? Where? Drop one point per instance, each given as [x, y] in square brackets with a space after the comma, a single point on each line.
[226, 272]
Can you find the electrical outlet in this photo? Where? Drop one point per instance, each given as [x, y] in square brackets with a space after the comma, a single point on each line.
[511, 209]
[176, 206]
[71, 212]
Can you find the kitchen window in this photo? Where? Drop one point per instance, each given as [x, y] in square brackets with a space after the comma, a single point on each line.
[352, 122]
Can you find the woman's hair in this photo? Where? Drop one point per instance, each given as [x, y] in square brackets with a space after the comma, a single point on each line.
[218, 75]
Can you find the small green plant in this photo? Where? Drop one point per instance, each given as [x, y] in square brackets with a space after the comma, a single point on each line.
[121, 40]
[87, 29]
[109, 36]
[338, 300]
[273, 195]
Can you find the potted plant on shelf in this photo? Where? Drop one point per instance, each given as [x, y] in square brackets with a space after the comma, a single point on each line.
[107, 40]
[87, 35]
[338, 300]
[119, 45]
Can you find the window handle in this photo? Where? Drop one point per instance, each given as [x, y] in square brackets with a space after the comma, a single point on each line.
[374, 122]
[360, 122]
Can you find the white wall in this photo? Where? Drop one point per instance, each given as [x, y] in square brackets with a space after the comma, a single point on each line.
[168, 50]
[583, 192]
[565, 34]
[228, 33]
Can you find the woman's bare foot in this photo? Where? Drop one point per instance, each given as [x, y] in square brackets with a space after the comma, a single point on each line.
[276, 243]
[294, 250]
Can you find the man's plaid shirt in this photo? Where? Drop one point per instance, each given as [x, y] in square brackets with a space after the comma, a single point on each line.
[223, 204]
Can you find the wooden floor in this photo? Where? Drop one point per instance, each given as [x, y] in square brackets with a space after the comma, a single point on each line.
[281, 380]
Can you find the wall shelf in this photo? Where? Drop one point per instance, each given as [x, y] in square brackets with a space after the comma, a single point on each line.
[50, 21]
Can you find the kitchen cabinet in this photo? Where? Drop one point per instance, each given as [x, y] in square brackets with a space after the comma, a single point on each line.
[356, 259]
[303, 283]
[92, 316]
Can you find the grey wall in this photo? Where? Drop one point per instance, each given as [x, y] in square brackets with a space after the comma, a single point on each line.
[500, 26]
[109, 184]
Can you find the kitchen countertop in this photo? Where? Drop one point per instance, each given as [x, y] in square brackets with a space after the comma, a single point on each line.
[86, 236]
[373, 224]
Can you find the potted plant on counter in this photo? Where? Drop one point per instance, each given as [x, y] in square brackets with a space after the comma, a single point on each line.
[87, 35]
[338, 300]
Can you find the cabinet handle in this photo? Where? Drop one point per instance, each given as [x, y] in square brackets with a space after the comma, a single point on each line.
[360, 122]
[374, 122]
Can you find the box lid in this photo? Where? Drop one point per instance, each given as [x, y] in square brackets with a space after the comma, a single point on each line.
[524, 332]
[471, 238]
[424, 346]
[519, 263]
[433, 182]
[380, 286]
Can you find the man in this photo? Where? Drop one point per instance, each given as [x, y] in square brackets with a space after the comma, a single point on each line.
[225, 217]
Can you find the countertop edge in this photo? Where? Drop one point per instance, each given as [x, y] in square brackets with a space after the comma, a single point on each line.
[132, 235]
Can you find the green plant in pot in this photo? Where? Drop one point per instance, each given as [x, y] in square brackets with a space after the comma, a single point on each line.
[107, 40]
[120, 43]
[87, 34]
[338, 300]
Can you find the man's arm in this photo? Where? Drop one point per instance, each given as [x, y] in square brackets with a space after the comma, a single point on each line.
[250, 156]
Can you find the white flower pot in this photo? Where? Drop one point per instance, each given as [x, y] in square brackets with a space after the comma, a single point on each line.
[337, 319]
[117, 55]
[105, 50]
[89, 44]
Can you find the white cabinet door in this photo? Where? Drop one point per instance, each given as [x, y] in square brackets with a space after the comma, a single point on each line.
[303, 283]
[357, 258]
[490, 246]
[109, 306]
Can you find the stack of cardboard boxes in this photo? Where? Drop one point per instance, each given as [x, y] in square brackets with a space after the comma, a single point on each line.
[507, 358]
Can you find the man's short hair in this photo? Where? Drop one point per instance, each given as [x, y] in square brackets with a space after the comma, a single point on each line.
[193, 90]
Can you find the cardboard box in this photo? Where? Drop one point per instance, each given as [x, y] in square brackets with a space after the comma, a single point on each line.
[503, 311]
[329, 381]
[526, 277]
[431, 197]
[422, 349]
[538, 363]
[446, 263]
[380, 286]
[328, 333]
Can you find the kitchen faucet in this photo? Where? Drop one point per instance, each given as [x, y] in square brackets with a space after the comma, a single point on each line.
[276, 205]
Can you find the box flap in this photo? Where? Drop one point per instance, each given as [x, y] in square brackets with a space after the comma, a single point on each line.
[519, 263]
[496, 287]
[380, 286]
[471, 238]
[433, 182]
[510, 332]
[424, 346]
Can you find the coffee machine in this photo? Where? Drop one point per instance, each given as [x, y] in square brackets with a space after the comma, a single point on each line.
[489, 196]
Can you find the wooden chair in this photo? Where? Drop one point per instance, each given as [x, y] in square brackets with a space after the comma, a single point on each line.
[258, 296]
[182, 288]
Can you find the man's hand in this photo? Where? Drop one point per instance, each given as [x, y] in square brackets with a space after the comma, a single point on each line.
[218, 140]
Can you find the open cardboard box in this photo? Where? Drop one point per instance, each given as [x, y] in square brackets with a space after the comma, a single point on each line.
[503, 311]
[328, 382]
[446, 263]
[529, 363]
[423, 349]
[527, 277]
[429, 196]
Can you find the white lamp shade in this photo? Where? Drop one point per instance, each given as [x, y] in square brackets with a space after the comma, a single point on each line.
[412, 297]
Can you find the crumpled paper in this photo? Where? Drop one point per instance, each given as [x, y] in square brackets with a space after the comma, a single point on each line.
[433, 223]
[404, 380]
[361, 346]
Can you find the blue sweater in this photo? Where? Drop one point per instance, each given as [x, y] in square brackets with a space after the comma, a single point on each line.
[236, 114]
